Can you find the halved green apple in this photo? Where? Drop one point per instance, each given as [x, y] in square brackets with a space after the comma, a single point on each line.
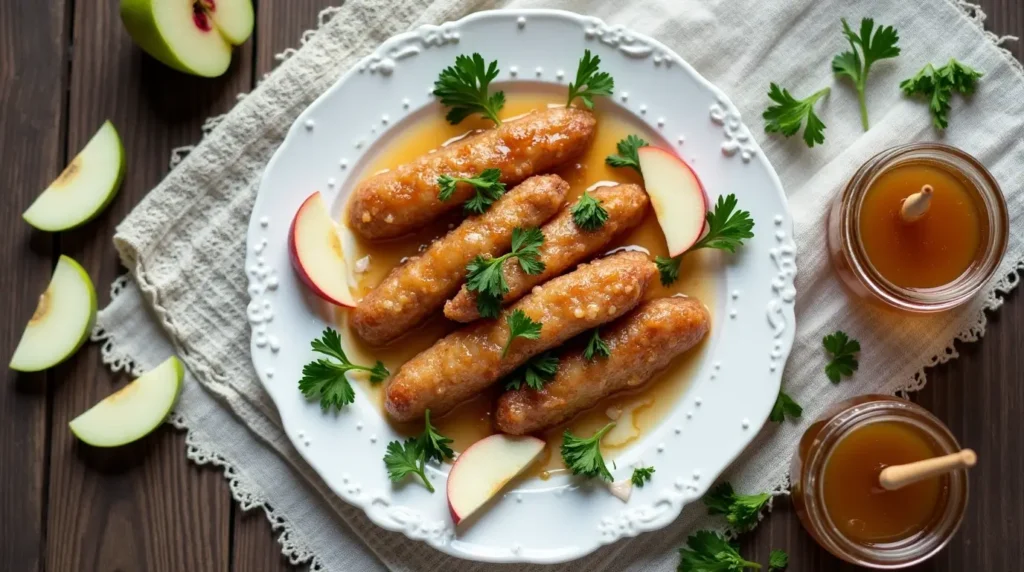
[86, 186]
[62, 320]
[193, 36]
[134, 411]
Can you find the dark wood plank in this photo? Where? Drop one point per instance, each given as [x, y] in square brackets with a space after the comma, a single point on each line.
[279, 25]
[144, 507]
[32, 75]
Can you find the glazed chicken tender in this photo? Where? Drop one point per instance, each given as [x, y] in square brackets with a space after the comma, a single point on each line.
[418, 288]
[403, 199]
[565, 244]
[641, 343]
[468, 360]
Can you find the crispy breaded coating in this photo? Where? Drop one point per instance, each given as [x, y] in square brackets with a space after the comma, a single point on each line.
[565, 244]
[468, 360]
[404, 199]
[641, 343]
[415, 290]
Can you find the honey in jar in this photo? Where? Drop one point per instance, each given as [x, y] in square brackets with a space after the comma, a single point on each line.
[838, 496]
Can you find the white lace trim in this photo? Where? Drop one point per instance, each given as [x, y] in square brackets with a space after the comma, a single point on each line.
[294, 548]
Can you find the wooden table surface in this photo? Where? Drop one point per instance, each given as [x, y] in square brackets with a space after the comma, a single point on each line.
[65, 67]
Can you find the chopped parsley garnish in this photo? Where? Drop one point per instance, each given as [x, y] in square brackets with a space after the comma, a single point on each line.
[726, 231]
[741, 511]
[641, 475]
[487, 185]
[590, 81]
[486, 277]
[856, 64]
[628, 156]
[789, 112]
[539, 370]
[463, 87]
[938, 86]
[583, 456]
[520, 326]
[596, 347]
[588, 214]
[778, 560]
[325, 379]
[842, 349]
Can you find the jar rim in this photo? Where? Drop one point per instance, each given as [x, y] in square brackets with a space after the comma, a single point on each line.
[958, 291]
[899, 554]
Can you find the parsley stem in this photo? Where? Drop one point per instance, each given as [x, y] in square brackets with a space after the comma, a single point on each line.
[863, 108]
[423, 474]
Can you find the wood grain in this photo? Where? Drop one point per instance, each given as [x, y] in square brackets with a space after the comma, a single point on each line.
[143, 507]
[31, 143]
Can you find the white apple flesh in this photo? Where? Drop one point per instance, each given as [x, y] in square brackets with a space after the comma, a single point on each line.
[482, 470]
[84, 188]
[62, 320]
[134, 411]
[316, 252]
[193, 36]
[677, 196]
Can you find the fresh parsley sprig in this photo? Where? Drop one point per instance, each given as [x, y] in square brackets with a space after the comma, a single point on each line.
[402, 459]
[778, 560]
[938, 86]
[534, 373]
[741, 511]
[590, 81]
[433, 444]
[326, 379]
[856, 64]
[486, 277]
[463, 89]
[789, 112]
[706, 551]
[641, 475]
[726, 231]
[487, 185]
[596, 347]
[785, 407]
[843, 360]
[628, 156]
[520, 326]
[583, 456]
[588, 214]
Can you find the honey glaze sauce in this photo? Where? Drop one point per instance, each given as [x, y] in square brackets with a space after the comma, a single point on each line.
[635, 412]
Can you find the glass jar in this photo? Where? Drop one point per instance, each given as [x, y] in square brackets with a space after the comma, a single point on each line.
[807, 479]
[847, 250]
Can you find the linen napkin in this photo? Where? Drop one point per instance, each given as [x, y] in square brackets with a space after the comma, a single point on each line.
[184, 244]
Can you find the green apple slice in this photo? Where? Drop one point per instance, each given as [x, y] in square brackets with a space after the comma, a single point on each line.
[134, 411]
[193, 36]
[62, 320]
[86, 186]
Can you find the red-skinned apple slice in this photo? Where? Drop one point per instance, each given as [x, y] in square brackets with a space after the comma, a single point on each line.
[316, 253]
[677, 196]
[482, 470]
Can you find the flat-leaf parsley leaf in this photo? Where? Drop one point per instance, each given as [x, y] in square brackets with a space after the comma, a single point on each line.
[463, 89]
[402, 459]
[628, 156]
[583, 456]
[842, 349]
[726, 231]
[486, 277]
[326, 379]
[741, 511]
[520, 326]
[641, 475]
[590, 81]
[789, 112]
[487, 186]
[778, 560]
[706, 551]
[856, 64]
[596, 347]
[785, 407]
[433, 444]
[534, 373]
[938, 86]
[588, 214]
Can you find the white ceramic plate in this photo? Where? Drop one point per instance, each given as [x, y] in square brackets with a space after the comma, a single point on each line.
[737, 381]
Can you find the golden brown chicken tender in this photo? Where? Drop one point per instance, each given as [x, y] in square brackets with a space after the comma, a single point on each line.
[404, 199]
[565, 244]
[640, 343]
[468, 360]
[415, 290]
